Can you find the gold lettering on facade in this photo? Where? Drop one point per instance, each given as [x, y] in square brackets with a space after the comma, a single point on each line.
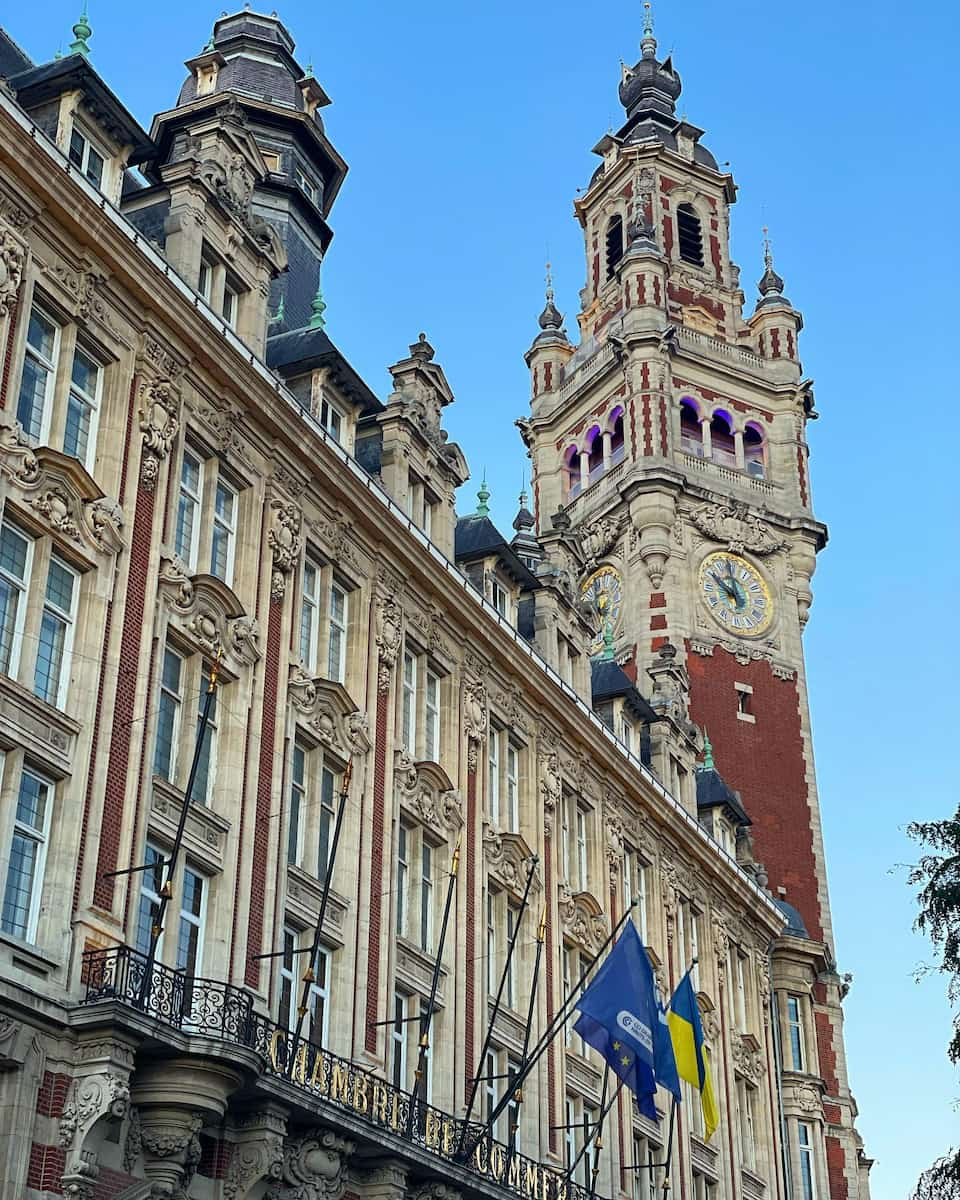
[497, 1161]
[340, 1084]
[361, 1100]
[378, 1103]
[449, 1138]
[299, 1073]
[276, 1038]
[531, 1179]
[318, 1078]
[480, 1157]
[513, 1173]
[395, 1111]
[432, 1131]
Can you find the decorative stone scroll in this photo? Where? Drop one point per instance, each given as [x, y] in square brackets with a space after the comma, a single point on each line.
[285, 542]
[13, 254]
[426, 791]
[257, 1153]
[209, 614]
[731, 522]
[508, 857]
[582, 918]
[159, 423]
[474, 719]
[314, 1167]
[551, 787]
[329, 713]
[389, 633]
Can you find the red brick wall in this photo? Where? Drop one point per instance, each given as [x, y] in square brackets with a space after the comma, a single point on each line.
[376, 874]
[764, 762]
[8, 353]
[469, 1005]
[836, 1161]
[828, 1053]
[111, 821]
[46, 1168]
[111, 1183]
[551, 1051]
[261, 829]
[52, 1094]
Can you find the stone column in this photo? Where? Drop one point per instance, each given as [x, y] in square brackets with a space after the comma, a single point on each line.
[738, 448]
[607, 449]
[386, 1180]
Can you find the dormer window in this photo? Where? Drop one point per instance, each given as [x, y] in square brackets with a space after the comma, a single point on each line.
[614, 243]
[87, 158]
[689, 235]
[332, 419]
[231, 303]
[305, 184]
[500, 597]
[205, 279]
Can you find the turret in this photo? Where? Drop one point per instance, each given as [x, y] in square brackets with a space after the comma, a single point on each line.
[546, 357]
[775, 323]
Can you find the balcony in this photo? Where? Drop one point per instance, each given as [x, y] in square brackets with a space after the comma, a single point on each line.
[746, 478]
[218, 1011]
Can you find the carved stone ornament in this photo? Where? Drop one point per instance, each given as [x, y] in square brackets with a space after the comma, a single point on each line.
[582, 918]
[12, 257]
[159, 424]
[17, 457]
[329, 712]
[474, 719]
[284, 541]
[743, 653]
[91, 1098]
[599, 537]
[257, 1155]
[314, 1168]
[613, 822]
[209, 614]
[721, 945]
[508, 857]
[427, 793]
[731, 522]
[436, 1189]
[747, 1056]
[551, 787]
[389, 630]
[510, 703]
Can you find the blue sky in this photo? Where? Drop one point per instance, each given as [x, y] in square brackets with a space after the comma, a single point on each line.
[468, 130]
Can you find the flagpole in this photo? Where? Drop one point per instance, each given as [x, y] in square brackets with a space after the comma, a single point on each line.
[603, 1112]
[669, 1159]
[496, 1004]
[310, 974]
[518, 1093]
[558, 1021]
[427, 1017]
[598, 1136]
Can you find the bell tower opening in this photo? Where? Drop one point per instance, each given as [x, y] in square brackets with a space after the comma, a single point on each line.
[689, 235]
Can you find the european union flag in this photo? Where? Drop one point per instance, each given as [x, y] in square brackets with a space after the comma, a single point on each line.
[620, 1018]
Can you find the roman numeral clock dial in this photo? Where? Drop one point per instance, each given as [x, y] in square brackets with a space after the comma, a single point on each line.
[735, 594]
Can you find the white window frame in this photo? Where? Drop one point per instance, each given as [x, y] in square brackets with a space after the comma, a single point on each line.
[493, 775]
[795, 1032]
[83, 166]
[212, 733]
[500, 597]
[22, 588]
[299, 803]
[328, 815]
[580, 815]
[492, 951]
[408, 726]
[229, 527]
[40, 837]
[807, 1161]
[432, 708]
[406, 839]
[339, 625]
[176, 699]
[92, 402]
[230, 309]
[197, 920]
[68, 619]
[151, 895]
[333, 419]
[635, 869]
[513, 787]
[50, 368]
[310, 614]
[512, 921]
[205, 277]
[293, 977]
[426, 882]
[194, 498]
[398, 1040]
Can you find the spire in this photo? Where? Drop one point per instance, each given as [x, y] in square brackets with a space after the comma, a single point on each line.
[606, 655]
[708, 763]
[317, 309]
[483, 495]
[82, 33]
[648, 46]
[771, 285]
[551, 320]
[209, 47]
[280, 314]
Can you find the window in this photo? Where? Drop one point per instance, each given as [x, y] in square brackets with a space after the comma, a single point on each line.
[205, 279]
[337, 642]
[795, 1036]
[753, 452]
[614, 244]
[430, 507]
[56, 633]
[148, 908]
[744, 702]
[747, 1107]
[432, 722]
[168, 715]
[703, 1188]
[86, 157]
[500, 597]
[581, 1121]
[310, 615]
[691, 431]
[415, 886]
[332, 419]
[595, 464]
[689, 235]
[409, 721]
[572, 472]
[510, 988]
[572, 969]
[224, 532]
[305, 184]
[421, 729]
[231, 303]
[271, 160]
[513, 787]
[493, 981]
[808, 1172]
[493, 796]
[193, 911]
[626, 733]
[207, 758]
[722, 445]
[426, 895]
[294, 965]
[15, 559]
[635, 882]
[405, 836]
[398, 1041]
[298, 804]
[28, 853]
[573, 836]
[187, 535]
[501, 1070]
[740, 995]
[328, 818]
[503, 917]
[503, 796]
[646, 1183]
[617, 444]
[39, 370]
[79, 435]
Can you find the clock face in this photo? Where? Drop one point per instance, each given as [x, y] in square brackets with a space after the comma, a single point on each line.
[736, 594]
[603, 592]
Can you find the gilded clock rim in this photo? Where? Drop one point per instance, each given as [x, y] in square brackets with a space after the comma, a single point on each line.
[764, 624]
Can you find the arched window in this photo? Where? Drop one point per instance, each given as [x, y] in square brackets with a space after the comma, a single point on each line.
[571, 472]
[689, 235]
[691, 433]
[614, 244]
[595, 453]
[616, 437]
[722, 446]
[753, 451]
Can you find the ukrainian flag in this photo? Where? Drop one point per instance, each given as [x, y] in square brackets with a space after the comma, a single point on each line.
[693, 1060]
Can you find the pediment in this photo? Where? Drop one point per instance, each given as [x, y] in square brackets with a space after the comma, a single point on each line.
[60, 495]
[329, 712]
[208, 615]
[583, 918]
[508, 857]
[426, 791]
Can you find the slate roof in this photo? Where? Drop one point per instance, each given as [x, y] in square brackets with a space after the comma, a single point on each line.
[478, 537]
[795, 926]
[609, 681]
[13, 60]
[714, 792]
[302, 350]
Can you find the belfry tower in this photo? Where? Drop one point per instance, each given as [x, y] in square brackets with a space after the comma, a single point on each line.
[672, 440]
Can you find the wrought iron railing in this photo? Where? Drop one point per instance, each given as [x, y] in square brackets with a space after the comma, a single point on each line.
[223, 1012]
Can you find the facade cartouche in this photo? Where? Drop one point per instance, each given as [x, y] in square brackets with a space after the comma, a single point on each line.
[193, 479]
